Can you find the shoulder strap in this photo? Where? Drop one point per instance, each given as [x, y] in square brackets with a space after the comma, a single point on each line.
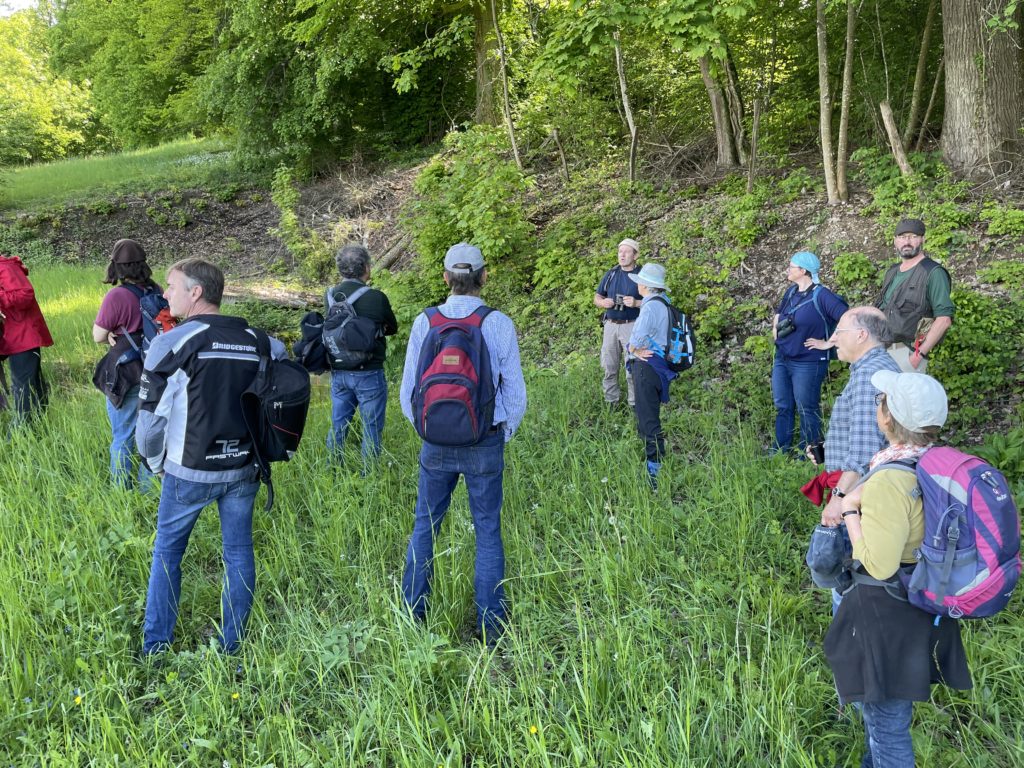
[906, 465]
[137, 290]
[259, 381]
[358, 294]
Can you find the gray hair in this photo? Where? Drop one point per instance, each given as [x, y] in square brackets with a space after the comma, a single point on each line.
[873, 321]
[353, 261]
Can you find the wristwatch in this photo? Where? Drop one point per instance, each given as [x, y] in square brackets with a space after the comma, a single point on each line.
[839, 492]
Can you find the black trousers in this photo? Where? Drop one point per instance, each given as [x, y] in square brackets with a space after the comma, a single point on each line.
[28, 390]
[647, 407]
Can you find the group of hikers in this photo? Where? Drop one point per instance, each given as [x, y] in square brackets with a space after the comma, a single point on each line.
[176, 368]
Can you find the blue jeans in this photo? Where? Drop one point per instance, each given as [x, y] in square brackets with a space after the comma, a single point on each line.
[368, 390]
[181, 501]
[796, 388]
[122, 446]
[887, 742]
[482, 465]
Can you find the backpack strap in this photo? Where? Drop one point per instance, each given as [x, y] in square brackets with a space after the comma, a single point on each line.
[263, 350]
[330, 297]
[906, 465]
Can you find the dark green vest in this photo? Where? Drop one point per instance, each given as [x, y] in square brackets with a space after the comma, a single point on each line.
[909, 302]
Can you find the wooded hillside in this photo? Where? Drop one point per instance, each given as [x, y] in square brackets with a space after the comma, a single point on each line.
[648, 83]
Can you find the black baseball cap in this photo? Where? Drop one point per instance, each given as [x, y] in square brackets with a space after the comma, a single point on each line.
[911, 226]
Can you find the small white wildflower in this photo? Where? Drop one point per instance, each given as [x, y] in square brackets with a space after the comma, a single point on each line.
[604, 479]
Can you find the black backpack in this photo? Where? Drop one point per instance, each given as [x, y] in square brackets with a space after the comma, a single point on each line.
[682, 343]
[348, 338]
[274, 408]
[309, 350]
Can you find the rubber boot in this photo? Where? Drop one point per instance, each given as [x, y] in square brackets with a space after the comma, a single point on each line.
[653, 467]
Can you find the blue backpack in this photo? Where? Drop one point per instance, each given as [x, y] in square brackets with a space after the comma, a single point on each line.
[156, 313]
[453, 403]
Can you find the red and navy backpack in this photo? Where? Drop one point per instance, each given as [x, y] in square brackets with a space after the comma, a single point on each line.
[969, 560]
[453, 403]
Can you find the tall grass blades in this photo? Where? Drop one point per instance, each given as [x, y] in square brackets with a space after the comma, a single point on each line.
[674, 629]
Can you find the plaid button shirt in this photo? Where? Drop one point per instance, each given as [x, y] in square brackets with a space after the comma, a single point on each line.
[853, 435]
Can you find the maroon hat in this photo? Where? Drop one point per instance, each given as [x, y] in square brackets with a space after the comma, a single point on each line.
[127, 252]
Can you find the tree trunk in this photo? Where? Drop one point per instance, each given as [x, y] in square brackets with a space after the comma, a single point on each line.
[984, 90]
[842, 190]
[931, 104]
[621, 69]
[754, 133]
[720, 113]
[505, 106]
[485, 46]
[922, 67]
[734, 100]
[825, 107]
[561, 154]
[894, 139]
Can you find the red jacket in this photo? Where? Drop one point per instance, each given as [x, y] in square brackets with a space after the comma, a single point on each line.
[24, 327]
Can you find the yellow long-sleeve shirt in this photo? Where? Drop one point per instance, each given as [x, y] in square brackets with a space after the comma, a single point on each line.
[892, 521]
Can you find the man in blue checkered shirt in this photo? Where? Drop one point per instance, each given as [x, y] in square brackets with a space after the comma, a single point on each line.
[853, 435]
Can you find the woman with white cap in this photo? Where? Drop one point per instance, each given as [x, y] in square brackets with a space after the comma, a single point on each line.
[807, 314]
[651, 374]
[884, 652]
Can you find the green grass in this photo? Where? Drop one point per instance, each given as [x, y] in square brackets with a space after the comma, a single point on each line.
[670, 630]
[182, 163]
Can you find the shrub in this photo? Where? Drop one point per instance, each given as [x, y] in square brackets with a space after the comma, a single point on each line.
[978, 356]
[1007, 273]
[470, 194]
[856, 275]
[1002, 220]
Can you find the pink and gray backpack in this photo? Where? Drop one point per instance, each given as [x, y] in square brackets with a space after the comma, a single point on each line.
[969, 560]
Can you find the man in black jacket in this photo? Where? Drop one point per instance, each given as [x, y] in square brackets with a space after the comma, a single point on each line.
[191, 433]
[365, 385]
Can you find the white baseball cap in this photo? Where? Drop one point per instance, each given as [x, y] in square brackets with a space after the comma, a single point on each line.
[915, 400]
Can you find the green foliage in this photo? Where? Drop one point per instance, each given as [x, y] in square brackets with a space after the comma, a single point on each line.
[143, 58]
[306, 246]
[1002, 219]
[1006, 453]
[855, 273]
[1007, 273]
[979, 356]
[473, 194]
[42, 116]
[796, 183]
[18, 241]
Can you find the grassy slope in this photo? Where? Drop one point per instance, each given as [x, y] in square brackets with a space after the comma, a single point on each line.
[647, 631]
[182, 163]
